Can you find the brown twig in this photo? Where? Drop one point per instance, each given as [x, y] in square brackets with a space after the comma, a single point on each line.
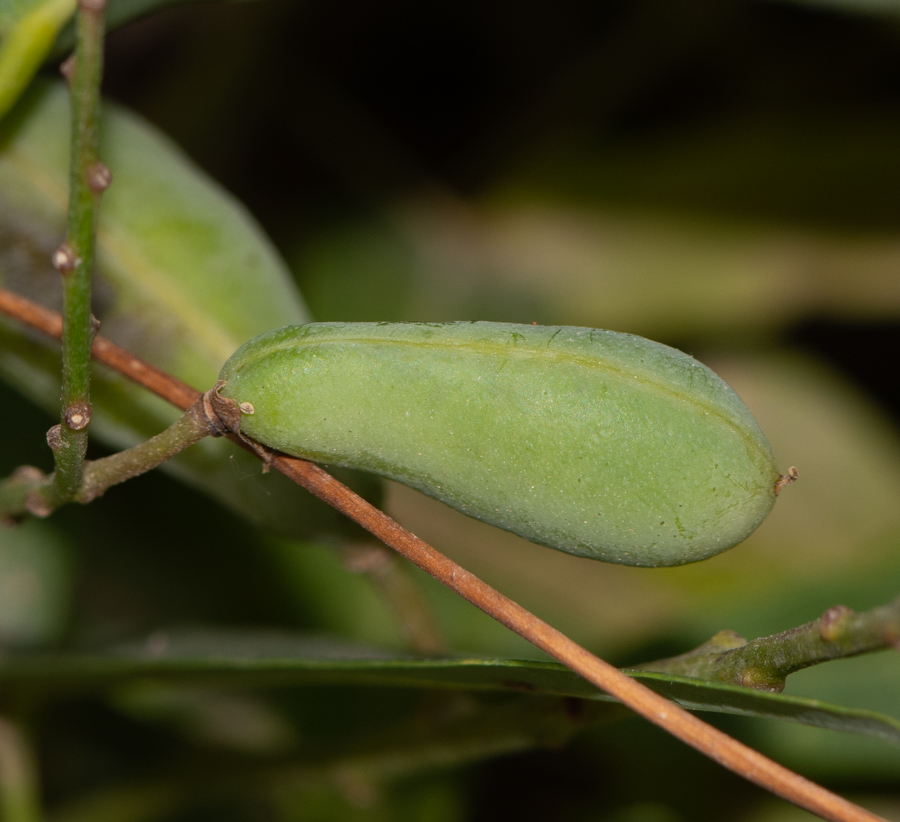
[680, 723]
[154, 379]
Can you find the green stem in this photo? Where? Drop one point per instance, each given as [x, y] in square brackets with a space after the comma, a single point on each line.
[102, 474]
[19, 794]
[765, 663]
[24, 492]
[75, 257]
[399, 589]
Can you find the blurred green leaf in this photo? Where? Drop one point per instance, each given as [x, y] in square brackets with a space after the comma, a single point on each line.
[35, 584]
[233, 721]
[28, 29]
[261, 659]
[345, 603]
[657, 274]
[868, 681]
[185, 276]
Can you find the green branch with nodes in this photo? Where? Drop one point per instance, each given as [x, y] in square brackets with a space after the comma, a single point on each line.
[26, 491]
[74, 259]
[766, 662]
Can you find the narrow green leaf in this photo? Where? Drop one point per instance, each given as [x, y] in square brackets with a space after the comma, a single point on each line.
[28, 29]
[35, 584]
[268, 659]
[533, 256]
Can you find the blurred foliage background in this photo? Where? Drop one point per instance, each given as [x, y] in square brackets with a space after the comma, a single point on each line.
[719, 175]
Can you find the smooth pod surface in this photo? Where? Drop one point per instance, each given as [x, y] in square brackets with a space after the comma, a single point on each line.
[597, 443]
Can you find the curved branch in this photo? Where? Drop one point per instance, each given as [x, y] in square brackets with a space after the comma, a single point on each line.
[24, 492]
[766, 662]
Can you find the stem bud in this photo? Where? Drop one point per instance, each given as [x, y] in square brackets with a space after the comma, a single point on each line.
[37, 506]
[832, 622]
[99, 178]
[78, 416]
[54, 438]
[67, 68]
[65, 259]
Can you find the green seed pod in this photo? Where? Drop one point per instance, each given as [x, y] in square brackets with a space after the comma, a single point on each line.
[596, 443]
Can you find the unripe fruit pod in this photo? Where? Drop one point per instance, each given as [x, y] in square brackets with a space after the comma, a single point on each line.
[600, 444]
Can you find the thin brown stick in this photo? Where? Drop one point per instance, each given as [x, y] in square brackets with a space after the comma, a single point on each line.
[677, 721]
[692, 730]
[154, 379]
